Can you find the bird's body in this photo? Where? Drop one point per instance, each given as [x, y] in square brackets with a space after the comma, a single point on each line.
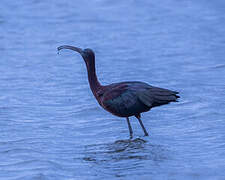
[127, 99]
[124, 99]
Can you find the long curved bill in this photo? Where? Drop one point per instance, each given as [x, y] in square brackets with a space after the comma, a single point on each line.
[79, 50]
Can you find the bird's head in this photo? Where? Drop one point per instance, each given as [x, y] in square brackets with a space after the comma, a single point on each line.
[87, 54]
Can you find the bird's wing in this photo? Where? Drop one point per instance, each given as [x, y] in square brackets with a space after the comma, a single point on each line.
[132, 98]
[154, 96]
[120, 93]
[120, 100]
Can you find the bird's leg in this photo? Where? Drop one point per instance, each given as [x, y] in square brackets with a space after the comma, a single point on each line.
[142, 125]
[130, 128]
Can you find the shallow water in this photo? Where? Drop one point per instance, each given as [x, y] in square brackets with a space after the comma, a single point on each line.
[52, 127]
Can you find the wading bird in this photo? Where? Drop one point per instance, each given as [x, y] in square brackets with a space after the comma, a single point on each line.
[124, 99]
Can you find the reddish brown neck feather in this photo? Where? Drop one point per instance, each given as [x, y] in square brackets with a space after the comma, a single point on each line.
[92, 78]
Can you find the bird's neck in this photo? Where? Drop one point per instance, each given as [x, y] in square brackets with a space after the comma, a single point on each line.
[92, 78]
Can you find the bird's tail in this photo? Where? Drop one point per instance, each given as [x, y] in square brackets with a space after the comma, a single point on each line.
[158, 96]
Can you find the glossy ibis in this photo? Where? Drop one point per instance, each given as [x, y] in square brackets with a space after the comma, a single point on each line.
[124, 99]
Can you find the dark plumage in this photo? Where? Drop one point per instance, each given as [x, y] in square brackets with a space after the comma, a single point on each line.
[124, 99]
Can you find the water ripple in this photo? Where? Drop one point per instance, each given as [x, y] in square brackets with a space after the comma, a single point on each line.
[53, 128]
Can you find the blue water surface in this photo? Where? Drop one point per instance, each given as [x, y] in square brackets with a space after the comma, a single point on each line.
[51, 127]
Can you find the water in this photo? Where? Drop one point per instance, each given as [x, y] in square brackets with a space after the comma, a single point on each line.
[52, 127]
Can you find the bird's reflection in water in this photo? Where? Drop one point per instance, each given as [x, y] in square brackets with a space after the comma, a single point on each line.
[126, 145]
[124, 151]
